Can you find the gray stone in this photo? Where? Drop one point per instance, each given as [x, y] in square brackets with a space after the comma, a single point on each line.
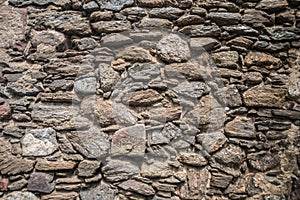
[151, 3]
[86, 44]
[233, 96]
[284, 34]
[20, 195]
[88, 168]
[41, 182]
[224, 18]
[173, 48]
[241, 127]
[204, 42]
[272, 5]
[85, 86]
[237, 30]
[220, 180]
[39, 142]
[156, 169]
[111, 26]
[115, 40]
[263, 161]
[134, 11]
[193, 159]
[101, 15]
[90, 6]
[108, 77]
[138, 187]
[115, 5]
[201, 30]
[101, 192]
[155, 22]
[189, 20]
[167, 13]
[212, 142]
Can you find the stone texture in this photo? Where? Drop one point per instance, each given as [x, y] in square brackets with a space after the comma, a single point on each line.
[102, 191]
[87, 168]
[41, 182]
[44, 165]
[201, 31]
[272, 5]
[155, 22]
[204, 42]
[114, 5]
[3, 184]
[173, 48]
[50, 37]
[263, 161]
[192, 159]
[20, 196]
[241, 127]
[189, 20]
[5, 110]
[111, 26]
[212, 142]
[252, 16]
[168, 13]
[142, 98]
[39, 142]
[227, 59]
[222, 18]
[138, 187]
[108, 78]
[263, 60]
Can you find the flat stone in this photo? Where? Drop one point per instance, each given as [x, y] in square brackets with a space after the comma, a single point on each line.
[49, 37]
[237, 30]
[138, 187]
[263, 60]
[193, 159]
[5, 110]
[224, 18]
[44, 165]
[241, 127]
[20, 195]
[206, 43]
[102, 191]
[284, 34]
[41, 182]
[101, 15]
[212, 142]
[129, 141]
[164, 136]
[167, 13]
[136, 54]
[111, 26]
[115, 40]
[252, 16]
[286, 113]
[138, 11]
[263, 161]
[85, 86]
[201, 31]
[86, 43]
[157, 169]
[155, 22]
[151, 3]
[39, 142]
[189, 70]
[264, 95]
[173, 48]
[88, 168]
[240, 41]
[220, 180]
[60, 196]
[18, 185]
[272, 5]
[186, 20]
[115, 5]
[227, 59]
[142, 98]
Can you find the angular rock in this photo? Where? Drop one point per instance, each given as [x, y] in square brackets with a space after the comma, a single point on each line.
[85, 86]
[129, 141]
[44, 165]
[167, 13]
[102, 191]
[60, 196]
[263, 161]
[252, 16]
[224, 18]
[20, 195]
[201, 31]
[90, 6]
[39, 142]
[287, 113]
[263, 60]
[108, 77]
[227, 59]
[155, 22]
[157, 169]
[5, 110]
[193, 159]
[211, 142]
[284, 34]
[264, 95]
[101, 15]
[111, 26]
[18, 185]
[220, 180]
[3, 184]
[88, 168]
[173, 48]
[138, 187]
[49, 37]
[204, 42]
[164, 136]
[86, 44]
[272, 5]
[151, 3]
[115, 5]
[142, 98]
[237, 30]
[189, 20]
[241, 127]
[41, 182]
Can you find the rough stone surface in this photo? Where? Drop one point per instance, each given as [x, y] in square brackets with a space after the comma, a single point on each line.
[211, 142]
[20, 195]
[263, 161]
[41, 182]
[240, 127]
[222, 18]
[87, 168]
[115, 5]
[263, 60]
[138, 187]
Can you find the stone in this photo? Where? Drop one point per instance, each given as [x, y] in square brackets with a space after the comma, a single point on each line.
[102, 191]
[115, 40]
[241, 127]
[189, 70]
[108, 77]
[134, 11]
[138, 187]
[157, 169]
[111, 26]
[155, 22]
[60, 196]
[167, 13]
[173, 48]
[49, 37]
[192, 159]
[43, 165]
[233, 96]
[220, 180]
[211, 142]
[252, 16]
[264, 95]
[101, 15]
[85, 86]
[206, 43]
[237, 30]
[151, 3]
[240, 41]
[102, 109]
[41, 182]
[222, 18]
[286, 113]
[228, 59]
[263, 161]
[142, 98]
[18, 185]
[20, 195]
[129, 142]
[201, 31]
[85, 44]
[3, 184]
[254, 77]
[272, 5]
[284, 34]
[39, 142]
[186, 20]
[117, 170]
[5, 110]
[115, 5]
[263, 60]
[136, 54]
[88, 168]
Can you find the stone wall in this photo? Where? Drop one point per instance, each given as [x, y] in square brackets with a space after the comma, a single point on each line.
[149, 99]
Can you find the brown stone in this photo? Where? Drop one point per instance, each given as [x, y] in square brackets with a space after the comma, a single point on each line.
[111, 26]
[142, 98]
[262, 60]
[263, 161]
[88, 168]
[138, 187]
[60, 196]
[44, 165]
[193, 159]
[227, 59]
[5, 109]
[211, 142]
[272, 5]
[241, 127]
[3, 184]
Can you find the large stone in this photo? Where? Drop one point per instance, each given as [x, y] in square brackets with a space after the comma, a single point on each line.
[136, 54]
[115, 5]
[49, 37]
[111, 26]
[41, 182]
[212, 142]
[204, 42]
[138, 187]
[5, 109]
[151, 3]
[252, 16]
[263, 161]
[157, 169]
[168, 13]
[44, 165]
[263, 60]
[224, 18]
[284, 34]
[39, 142]
[226, 59]
[129, 141]
[173, 48]
[241, 127]
[88, 168]
[101, 192]
[201, 31]
[272, 5]
[60, 196]
[220, 180]
[20, 195]
[189, 70]
[193, 159]
[86, 43]
[264, 95]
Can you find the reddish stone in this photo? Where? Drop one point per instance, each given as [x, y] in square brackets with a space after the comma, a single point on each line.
[3, 184]
[4, 109]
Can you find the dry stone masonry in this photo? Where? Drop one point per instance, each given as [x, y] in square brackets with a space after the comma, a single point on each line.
[149, 99]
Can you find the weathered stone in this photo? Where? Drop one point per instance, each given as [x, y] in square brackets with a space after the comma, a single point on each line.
[129, 141]
[211, 142]
[3, 184]
[284, 34]
[240, 41]
[44, 165]
[111, 26]
[237, 30]
[252, 16]
[88, 168]
[226, 59]
[220, 180]
[134, 11]
[263, 161]
[193, 159]
[39, 142]
[18, 185]
[254, 77]
[189, 20]
[136, 54]
[20, 195]
[115, 40]
[108, 77]
[101, 15]
[224, 18]
[164, 136]
[204, 42]
[114, 5]
[85, 86]
[116, 170]
[287, 113]
[173, 48]
[157, 169]
[41, 182]
[102, 191]
[167, 13]
[199, 11]
[138, 187]
[21, 3]
[242, 127]
[155, 22]
[201, 31]
[272, 5]
[263, 60]
[49, 37]
[90, 6]
[85, 44]
[264, 95]
[5, 109]
[142, 98]
[60, 196]
[151, 3]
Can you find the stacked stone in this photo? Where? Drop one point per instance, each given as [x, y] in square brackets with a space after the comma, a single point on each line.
[93, 108]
